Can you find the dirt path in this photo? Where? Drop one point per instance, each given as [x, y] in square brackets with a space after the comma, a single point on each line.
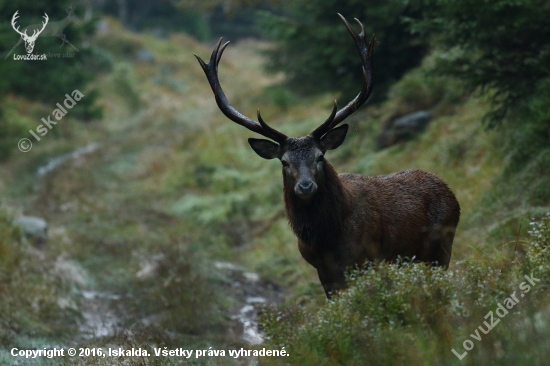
[105, 318]
[250, 294]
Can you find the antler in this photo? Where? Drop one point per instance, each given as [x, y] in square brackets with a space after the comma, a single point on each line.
[365, 51]
[211, 71]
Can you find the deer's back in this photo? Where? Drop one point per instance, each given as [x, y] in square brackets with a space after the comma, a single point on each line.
[400, 214]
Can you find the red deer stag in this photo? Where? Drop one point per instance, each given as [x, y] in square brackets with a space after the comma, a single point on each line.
[347, 220]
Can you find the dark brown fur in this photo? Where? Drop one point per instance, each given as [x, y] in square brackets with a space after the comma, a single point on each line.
[355, 219]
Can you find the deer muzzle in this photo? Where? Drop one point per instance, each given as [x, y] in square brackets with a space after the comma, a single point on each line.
[305, 188]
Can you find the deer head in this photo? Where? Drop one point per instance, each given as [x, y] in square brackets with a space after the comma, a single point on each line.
[29, 40]
[302, 157]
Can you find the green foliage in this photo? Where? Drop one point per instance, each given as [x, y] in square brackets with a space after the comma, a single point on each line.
[280, 96]
[501, 45]
[47, 81]
[177, 290]
[203, 20]
[527, 130]
[501, 48]
[317, 55]
[538, 253]
[410, 313]
[227, 208]
[36, 299]
[11, 130]
[123, 46]
[122, 80]
[421, 89]
[524, 184]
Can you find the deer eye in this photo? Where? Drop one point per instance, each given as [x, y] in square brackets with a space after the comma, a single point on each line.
[285, 163]
[320, 158]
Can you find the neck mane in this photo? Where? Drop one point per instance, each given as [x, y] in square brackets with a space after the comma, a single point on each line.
[317, 221]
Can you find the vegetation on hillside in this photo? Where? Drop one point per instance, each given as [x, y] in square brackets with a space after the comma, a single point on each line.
[410, 313]
[502, 49]
[46, 81]
[317, 55]
[34, 287]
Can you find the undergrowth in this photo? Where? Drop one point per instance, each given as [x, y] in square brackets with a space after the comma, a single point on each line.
[395, 314]
[37, 295]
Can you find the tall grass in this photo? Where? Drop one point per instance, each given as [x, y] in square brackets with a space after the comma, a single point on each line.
[36, 289]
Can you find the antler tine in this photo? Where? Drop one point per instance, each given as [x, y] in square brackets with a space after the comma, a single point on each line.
[277, 136]
[365, 52]
[216, 54]
[350, 29]
[356, 102]
[322, 129]
[220, 52]
[211, 71]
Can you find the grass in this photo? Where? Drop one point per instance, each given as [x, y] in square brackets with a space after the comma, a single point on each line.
[414, 314]
[36, 290]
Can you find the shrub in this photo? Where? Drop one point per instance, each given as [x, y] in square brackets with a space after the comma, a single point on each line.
[404, 312]
[33, 293]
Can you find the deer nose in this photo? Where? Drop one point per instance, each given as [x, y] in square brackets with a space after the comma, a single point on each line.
[305, 188]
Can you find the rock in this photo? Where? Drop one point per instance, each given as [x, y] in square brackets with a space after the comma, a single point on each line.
[34, 228]
[404, 128]
[145, 55]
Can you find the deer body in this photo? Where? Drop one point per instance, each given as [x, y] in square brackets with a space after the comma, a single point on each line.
[349, 220]
[357, 219]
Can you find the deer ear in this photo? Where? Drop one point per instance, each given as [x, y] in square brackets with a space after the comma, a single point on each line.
[334, 138]
[265, 148]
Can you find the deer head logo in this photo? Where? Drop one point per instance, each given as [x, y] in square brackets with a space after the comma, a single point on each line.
[29, 40]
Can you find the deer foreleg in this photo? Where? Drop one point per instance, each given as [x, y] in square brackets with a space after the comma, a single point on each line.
[332, 281]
